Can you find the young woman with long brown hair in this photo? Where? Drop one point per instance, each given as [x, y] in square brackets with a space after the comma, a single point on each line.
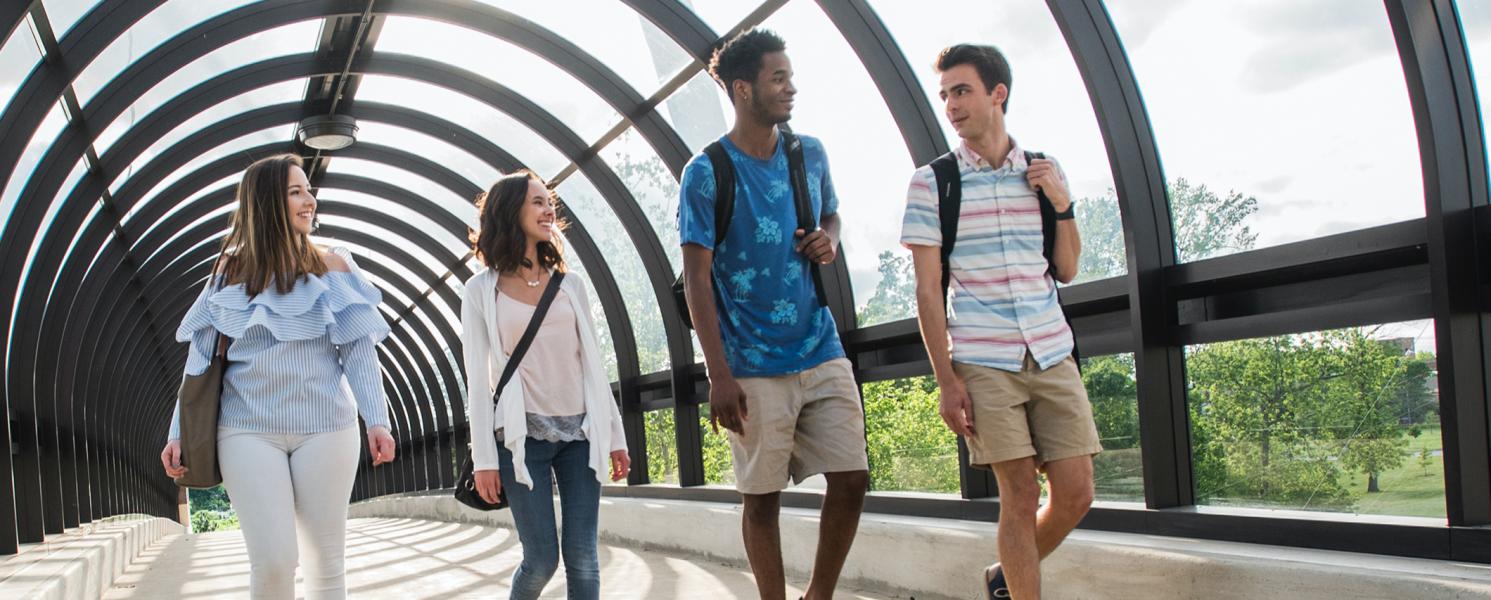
[549, 425]
[302, 325]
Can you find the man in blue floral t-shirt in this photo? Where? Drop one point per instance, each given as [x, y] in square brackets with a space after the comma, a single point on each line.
[778, 378]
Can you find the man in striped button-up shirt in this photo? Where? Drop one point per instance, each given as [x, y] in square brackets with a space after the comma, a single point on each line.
[1009, 382]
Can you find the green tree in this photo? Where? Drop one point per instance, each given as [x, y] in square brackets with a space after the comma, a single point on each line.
[210, 520]
[895, 293]
[1372, 377]
[910, 448]
[1254, 413]
[1205, 225]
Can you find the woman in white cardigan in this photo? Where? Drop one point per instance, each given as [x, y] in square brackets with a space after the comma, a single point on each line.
[548, 425]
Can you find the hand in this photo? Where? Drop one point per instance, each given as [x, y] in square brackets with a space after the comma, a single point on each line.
[956, 408]
[1045, 176]
[488, 485]
[727, 404]
[818, 246]
[170, 458]
[380, 445]
[621, 465]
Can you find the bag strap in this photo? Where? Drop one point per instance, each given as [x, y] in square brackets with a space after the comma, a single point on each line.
[1048, 219]
[949, 205]
[797, 172]
[724, 189]
[528, 334]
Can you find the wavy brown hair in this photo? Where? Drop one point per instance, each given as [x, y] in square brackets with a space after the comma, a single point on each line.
[262, 247]
[500, 242]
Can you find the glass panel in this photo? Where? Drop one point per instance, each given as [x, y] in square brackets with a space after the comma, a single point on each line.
[1475, 19]
[226, 208]
[626, 266]
[910, 447]
[1259, 119]
[412, 183]
[431, 264]
[719, 464]
[662, 447]
[1344, 421]
[1049, 110]
[721, 15]
[288, 91]
[870, 185]
[1118, 472]
[17, 58]
[454, 247]
[699, 111]
[476, 171]
[50, 128]
[653, 186]
[79, 169]
[516, 138]
[611, 32]
[63, 14]
[597, 314]
[522, 71]
[283, 41]
[158, 26]
[236, 145]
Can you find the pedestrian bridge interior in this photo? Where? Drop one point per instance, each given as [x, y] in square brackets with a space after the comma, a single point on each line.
[1283, 310]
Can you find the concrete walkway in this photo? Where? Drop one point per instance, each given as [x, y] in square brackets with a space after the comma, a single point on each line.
[408, 559]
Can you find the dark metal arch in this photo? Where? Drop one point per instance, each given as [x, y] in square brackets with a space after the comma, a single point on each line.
[680, 24]
[1441, 90]
[1140, 184]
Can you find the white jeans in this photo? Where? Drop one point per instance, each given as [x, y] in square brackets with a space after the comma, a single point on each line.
[280, 482]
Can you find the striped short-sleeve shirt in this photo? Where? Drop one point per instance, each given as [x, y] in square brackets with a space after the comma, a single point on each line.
[1003, 301]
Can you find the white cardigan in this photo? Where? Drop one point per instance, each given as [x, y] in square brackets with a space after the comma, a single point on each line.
[484, 365]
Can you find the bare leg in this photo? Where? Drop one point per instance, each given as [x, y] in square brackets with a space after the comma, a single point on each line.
[842, 505]
[763, 542]
[1019, 496]
[1071, 496]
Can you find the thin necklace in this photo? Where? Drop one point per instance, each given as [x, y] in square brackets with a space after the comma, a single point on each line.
[534, 283]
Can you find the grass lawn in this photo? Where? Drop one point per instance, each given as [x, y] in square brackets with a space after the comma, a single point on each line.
[1409, 490]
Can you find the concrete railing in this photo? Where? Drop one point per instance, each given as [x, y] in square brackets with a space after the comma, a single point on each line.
[82, 562]
[943, 558]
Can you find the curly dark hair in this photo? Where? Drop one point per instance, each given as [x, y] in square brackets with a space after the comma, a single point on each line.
[993, 69]
[740, 58]
[500, 242]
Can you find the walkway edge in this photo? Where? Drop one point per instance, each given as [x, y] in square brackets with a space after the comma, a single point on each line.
[82, 562]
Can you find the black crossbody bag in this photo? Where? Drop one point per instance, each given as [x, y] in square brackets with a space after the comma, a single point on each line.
[466, 484]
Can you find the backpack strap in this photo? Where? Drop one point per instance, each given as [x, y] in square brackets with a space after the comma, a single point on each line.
[724, 189]
[1048, 246]
[797, 172]
[1048, 220]
[949, 205]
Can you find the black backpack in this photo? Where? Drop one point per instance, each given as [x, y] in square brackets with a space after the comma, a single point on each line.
[949, 207]
[724, 207]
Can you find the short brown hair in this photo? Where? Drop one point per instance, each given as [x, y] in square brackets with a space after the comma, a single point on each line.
[993, 69]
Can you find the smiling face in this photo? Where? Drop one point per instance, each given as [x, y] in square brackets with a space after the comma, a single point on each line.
[971, 108]
[769, 98]
[299, 202]
[536, 217]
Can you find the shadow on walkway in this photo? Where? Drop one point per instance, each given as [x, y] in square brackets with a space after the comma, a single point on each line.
[410, 559]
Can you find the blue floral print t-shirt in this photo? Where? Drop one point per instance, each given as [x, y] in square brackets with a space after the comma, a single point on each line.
[770, 318]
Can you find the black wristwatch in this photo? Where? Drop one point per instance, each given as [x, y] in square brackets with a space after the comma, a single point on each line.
[1067, 214]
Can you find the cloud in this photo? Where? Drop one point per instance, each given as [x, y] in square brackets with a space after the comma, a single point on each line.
[1137, 20]
[1308, 40]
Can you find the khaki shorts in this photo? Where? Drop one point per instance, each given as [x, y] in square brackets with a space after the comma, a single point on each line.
[798, 426]
[1040, 413]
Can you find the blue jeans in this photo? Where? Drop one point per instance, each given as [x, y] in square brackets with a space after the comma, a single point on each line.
[533, 512]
